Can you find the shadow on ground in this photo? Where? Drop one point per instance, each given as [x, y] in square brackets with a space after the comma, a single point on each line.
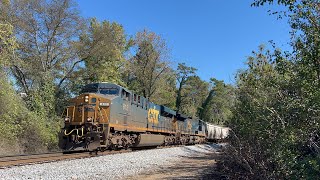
[201, 165]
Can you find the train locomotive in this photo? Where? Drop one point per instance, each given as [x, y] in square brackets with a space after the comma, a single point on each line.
[108, 116]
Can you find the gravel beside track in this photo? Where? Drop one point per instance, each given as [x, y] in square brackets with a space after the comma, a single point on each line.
[115, 166]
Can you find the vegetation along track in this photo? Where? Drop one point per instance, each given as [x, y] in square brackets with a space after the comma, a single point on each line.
[20, 160]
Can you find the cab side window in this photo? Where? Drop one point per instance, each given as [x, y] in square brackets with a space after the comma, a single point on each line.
[200, 126]
[125, 95]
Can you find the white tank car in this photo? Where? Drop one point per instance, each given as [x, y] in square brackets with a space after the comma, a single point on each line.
[215, 132]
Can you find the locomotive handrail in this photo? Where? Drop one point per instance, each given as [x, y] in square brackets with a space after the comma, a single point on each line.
[67, 134]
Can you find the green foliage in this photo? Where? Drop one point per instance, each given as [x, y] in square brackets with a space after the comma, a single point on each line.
[183, 74]
[217, 106]
[149, 73]
[166, 95]
[107, 45]
[273, 120]
[7, 44]
[259, 124]
[27, 131]
[193, 95]
[276, 117]
[24, 124]
[211, 102]
[289, 3]
[46, 56]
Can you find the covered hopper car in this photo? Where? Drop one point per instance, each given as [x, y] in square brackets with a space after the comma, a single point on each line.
[215, 133]
[108, 116]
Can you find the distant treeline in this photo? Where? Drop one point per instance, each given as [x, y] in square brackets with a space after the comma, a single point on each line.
[48, 52]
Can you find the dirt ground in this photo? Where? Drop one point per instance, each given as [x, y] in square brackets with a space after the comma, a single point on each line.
[199, 167]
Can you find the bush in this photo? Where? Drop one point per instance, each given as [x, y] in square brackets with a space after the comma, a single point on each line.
[26, 131]
[274, 118]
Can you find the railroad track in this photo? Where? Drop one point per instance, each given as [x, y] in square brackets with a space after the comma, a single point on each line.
[20, 160]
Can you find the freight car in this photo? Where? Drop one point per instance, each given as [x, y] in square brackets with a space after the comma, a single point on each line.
[215, 133]
[109, 116]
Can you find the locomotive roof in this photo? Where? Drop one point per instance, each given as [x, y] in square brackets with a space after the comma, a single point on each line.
[163, 109]
[99, 85]
[107, 85]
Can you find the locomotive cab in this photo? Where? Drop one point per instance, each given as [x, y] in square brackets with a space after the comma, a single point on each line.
[87, 116]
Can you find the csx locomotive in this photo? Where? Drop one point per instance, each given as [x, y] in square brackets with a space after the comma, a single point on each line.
[108, 116]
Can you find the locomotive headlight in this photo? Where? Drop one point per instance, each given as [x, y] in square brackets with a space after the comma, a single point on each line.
[89, 119]
[104, 104]
[66, 119]
[86, 99]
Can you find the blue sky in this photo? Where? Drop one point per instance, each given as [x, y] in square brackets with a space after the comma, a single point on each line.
[215, 36]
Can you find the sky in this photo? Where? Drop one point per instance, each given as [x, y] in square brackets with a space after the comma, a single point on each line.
[214, 36]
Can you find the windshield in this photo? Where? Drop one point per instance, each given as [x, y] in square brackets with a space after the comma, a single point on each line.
[96, 88]
[90, 88]
[112, 91]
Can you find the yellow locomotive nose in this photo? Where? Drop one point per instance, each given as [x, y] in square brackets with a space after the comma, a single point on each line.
[87, 108]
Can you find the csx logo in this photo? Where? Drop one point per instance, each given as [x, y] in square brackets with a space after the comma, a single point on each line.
[153, 116]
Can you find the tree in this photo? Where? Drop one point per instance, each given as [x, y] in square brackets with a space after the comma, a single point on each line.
[259, 135]
[45, 44]
[289, 3]
[305, 24]
[193, 95]
[183, 73]
[218, 105]
[45, 58]
[166, 95]
[107, 44]
[7, 45]
[149, 65]
[275, 124]
[20, 129]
